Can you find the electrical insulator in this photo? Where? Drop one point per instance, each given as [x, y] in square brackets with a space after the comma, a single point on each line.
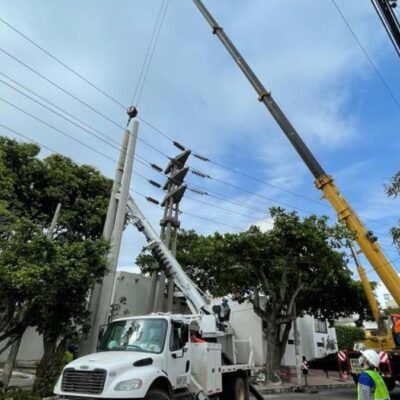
[199, 173]
[200, 192]
[151, 200]
[200, 157]
[179, 146]
[154, 183]
[156, 167]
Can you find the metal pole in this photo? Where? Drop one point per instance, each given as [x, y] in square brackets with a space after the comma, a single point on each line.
[166, 238]
[88, 345]
[171, 284]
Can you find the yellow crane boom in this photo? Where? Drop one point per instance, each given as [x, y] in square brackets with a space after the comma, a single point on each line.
[323, 181]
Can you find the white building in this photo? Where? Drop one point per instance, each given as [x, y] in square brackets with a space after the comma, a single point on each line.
[316, 337]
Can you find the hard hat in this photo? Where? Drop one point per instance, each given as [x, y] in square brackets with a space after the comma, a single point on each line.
[371, 356]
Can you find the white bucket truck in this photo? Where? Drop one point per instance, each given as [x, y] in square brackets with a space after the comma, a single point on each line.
[163, 356]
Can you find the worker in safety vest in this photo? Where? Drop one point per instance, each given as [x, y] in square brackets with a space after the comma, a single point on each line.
[396, 330]
[371, 386]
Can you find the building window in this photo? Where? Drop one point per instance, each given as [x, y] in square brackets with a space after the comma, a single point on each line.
[320, 326]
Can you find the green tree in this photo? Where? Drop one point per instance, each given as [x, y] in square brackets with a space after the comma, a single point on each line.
[347, 335]
[44, 283]
[393, 190]
[296, 268]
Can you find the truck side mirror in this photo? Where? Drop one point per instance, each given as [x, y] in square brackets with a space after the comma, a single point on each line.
[179, 353]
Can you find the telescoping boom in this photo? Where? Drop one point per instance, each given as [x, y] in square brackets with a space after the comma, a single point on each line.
[195, 299]
[367, 242]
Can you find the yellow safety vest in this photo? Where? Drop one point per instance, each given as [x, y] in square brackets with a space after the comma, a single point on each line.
[381, 391]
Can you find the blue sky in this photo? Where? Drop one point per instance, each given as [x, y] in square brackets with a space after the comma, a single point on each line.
[301, 50]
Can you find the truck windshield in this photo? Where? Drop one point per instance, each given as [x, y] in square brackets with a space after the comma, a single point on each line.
[146, 335]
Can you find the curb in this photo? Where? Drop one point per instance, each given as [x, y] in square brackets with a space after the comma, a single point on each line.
[310, 387]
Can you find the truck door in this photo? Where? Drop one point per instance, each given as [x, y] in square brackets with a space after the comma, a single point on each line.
[179, 359]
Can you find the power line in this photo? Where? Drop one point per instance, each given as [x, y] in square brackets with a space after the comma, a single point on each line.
[62, 63]
[53, 151]
[70, 115]
[201, 201]
[115, 147]
[147, 52]
[169, 138]
[138, 158]
[146, 122]
[56, 129]
[61, 88]
[212, 220]
[104, 135]
[150, 53]
[363, 49]
[163, 134]
[113, 160]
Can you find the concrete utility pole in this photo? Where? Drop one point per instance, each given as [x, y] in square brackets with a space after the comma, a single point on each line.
[89, 344]
[170, 222]
[102, 295]
[296, 335]
[12, 355]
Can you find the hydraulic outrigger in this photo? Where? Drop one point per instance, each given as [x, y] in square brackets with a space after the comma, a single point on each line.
[366, 241]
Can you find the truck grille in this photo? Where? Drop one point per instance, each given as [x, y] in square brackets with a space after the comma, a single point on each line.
[90, 382]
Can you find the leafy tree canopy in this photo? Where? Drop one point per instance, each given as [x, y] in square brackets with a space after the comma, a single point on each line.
[393, 190]
[297, 267]
[347, 335]
[44, 283]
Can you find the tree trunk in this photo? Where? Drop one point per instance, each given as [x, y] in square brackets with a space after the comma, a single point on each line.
[276, 336]
[273, 358]
[50, 366]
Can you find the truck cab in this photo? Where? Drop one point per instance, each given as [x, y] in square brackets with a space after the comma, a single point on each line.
[136, 357]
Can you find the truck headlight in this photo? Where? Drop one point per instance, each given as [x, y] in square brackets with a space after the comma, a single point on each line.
[130, 384]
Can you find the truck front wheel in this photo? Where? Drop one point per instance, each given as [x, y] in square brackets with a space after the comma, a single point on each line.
[236, 388]
[156, 394]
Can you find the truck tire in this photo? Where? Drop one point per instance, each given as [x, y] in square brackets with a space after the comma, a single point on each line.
[156, 394]
[239, 389]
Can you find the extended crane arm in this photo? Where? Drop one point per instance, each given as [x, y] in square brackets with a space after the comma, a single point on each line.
[196, 301]
[373, 303]
[323, 181]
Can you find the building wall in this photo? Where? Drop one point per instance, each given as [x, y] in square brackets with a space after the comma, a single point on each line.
[30, 350]
[246, 323]
[135, 288]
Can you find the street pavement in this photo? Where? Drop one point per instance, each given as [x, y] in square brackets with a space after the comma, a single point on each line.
[340, 394]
